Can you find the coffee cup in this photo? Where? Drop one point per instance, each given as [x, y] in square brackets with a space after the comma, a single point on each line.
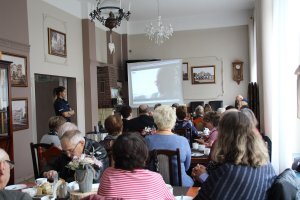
[40, 181]
[206, 151]
[170, 188]
[201, 147]
[195, 145]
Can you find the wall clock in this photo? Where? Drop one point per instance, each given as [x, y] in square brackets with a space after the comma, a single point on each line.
[237, 71]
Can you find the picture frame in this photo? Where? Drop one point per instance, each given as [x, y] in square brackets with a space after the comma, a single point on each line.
[19, 113]
[57, 43]
[185, 71]
[203, 74]
[18, 69]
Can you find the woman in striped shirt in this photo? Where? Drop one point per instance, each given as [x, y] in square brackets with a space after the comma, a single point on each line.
[244, 171]
[129, 179]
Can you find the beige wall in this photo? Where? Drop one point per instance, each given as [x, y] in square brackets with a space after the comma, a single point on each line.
[219, 46]
[101, 48]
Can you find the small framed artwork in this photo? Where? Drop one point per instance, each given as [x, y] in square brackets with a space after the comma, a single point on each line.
[185, 74]
[18, 69]
[203, 74]
[114, 93]
[19, 113]
[57, 43]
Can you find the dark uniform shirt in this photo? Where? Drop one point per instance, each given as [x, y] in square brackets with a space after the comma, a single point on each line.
[61, 106]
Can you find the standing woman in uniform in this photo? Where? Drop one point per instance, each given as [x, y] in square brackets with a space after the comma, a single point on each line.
[61, 105]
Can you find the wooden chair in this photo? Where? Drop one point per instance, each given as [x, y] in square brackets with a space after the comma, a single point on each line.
[162, 160]
[107, 143]
[185, 132]
[42, 154]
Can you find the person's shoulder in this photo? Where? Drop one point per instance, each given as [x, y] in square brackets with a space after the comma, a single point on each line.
[14, 195]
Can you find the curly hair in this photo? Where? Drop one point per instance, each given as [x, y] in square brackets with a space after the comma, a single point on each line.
[212, 117]
[164, 117]
[238, 143]
[130, 151]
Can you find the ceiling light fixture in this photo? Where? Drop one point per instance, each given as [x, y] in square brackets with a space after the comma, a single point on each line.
[160, 33]
[110, 14]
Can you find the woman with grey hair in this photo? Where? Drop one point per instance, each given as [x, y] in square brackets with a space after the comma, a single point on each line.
[165, 118]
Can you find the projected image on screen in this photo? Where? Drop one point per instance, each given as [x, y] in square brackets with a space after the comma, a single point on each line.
[155, 82]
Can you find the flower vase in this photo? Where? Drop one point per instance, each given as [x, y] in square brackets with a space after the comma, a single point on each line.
[84, 177]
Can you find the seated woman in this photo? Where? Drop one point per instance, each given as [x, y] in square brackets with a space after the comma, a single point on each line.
[114, 126]
[244, 171]
[198, 119]
[126, 113]
[128, 179]
[183, 123]
[54, 123]
[211, 120]
[164, 117]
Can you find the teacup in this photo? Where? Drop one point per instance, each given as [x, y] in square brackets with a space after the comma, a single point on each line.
[206, 151]
[195, 145]
[170, 188]
[40, 181]
[201, 147]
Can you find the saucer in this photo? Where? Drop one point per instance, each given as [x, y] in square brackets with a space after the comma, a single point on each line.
[197, 154]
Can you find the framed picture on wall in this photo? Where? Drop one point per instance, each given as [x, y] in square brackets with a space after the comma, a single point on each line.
[203, 74]
[57, 43]
[185, 73]
[18, 69]
[19, 113]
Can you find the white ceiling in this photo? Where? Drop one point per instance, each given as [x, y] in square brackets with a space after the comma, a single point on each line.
[183, 13]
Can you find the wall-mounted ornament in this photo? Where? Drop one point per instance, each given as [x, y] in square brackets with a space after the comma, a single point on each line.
[237, 71]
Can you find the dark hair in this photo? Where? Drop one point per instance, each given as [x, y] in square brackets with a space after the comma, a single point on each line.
[113, 124]
[130, 151]
[212, 117]
[157, 105]
[58, 90]
[55, 122]
[181, 112]
[125, 111]
[175, 105]
[229, 107]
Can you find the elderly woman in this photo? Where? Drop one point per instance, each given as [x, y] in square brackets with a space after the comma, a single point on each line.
[198, 119]
[129, 179]
[211, 120]
[165, 117]
[244, 171]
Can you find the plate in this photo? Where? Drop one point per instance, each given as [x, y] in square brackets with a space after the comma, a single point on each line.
[197, 154]
[16, 187]
[183, 198]
[31, 191]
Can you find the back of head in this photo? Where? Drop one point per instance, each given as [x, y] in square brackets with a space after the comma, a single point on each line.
[157, 105]
[143, 109]
[55, 122]
[248, 112]
[130, 152]
[126, 111]
[229, 107]
[164, 117]
[113, 124]
[207, 108]
[68, 126]
[175, 105]
[199, 110]
[181, 112]
[238, 143]
[72, 136]
[212, 117]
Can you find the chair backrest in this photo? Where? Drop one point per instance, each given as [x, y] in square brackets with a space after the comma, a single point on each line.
[269, 145]
[42, 154]
[107, 144]
[185, 132]
[165, 166]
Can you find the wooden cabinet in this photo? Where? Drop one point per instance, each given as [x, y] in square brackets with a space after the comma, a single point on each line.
[6, 137]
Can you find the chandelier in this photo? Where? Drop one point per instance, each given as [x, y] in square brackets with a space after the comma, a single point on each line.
[160, 33]
[110, 14]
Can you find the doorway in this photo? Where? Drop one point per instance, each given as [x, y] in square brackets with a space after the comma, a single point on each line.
[44, 85]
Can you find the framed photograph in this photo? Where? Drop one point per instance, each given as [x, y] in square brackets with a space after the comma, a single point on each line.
[19, 113]
[203, 74]
[57, 43]
[185, 73]
[18, 69]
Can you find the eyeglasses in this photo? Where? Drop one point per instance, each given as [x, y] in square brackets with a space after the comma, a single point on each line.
[70, 152]
[10, 163]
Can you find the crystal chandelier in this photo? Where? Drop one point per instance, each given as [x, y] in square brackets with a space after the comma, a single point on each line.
[160, 33]
[110, 14]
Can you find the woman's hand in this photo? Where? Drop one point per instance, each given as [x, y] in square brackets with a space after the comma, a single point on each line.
[197, 171]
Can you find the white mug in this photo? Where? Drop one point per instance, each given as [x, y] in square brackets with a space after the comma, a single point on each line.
[170, 188]
[201, 147]
[206, 151]
[40, 181]
[195, 145]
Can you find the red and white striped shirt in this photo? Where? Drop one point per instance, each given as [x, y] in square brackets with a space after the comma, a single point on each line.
[139, 184]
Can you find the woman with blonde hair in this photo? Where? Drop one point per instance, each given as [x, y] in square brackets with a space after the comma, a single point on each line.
[244, 171]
